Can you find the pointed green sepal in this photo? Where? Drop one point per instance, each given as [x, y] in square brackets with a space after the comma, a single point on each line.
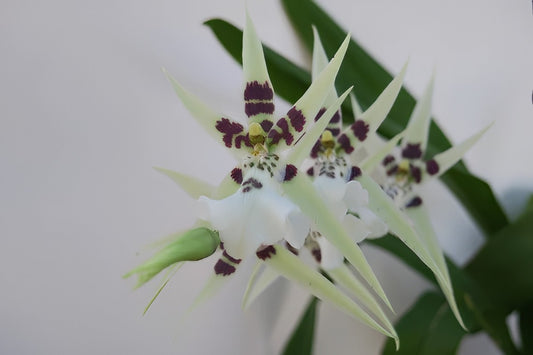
[379, 110]
[292, 268]
[374, 160]
[302, 192]
[193, 186]
[356, 108]
[302, 148]
[344, 277]
[418, 127]
[450, 157]
[195, 244]
[312, 100]
[320, 62]
[385, 208]
[259, 282]
[205, 116]
[420, 218]
[173, 269]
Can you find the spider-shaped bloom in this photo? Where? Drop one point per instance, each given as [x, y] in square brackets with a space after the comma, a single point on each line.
[265, 200]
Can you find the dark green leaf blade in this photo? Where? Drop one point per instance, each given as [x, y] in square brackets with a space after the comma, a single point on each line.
[371, 78]
[526, 328]
[429, 327]
[301, 341]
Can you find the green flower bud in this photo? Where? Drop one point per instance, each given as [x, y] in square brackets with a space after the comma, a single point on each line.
[195, 244]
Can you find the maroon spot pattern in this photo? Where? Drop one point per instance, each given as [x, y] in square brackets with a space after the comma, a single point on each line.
[291, 248]
[415, 202]
[320, 113]
[317, 254]
[315, 150]
[256, 108]
[416, 173]
[236, 175]
[344, 142]
[290, 172]
[388, 159]
[432, 167]
[355, 172]
[311, 171]
[256, 91]
[336, 117]
[334, 131]
[243, 138]
[266, 252]
[360, 129]
[231, 258]
[412, 151]
[228, 129]
[275, 136]
[392, 170]
[297, 119]
[266, 125]
[223, 268]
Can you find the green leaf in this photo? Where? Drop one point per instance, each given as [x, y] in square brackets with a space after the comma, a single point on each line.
[301, 341]
[526, 328]
[371, 78]
[428, 328]
[503, 266]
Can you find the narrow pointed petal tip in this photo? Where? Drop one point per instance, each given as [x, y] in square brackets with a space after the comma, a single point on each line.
[418, 127]
[194, 187]
[292, 268]
[195, 244]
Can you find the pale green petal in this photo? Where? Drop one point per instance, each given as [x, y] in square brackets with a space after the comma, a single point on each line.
[418, 127]
[212, 287]
[259, 282]
[227, 187]
[254, 66]
[313, 99]
[302, 149]
[448, 158]
[169, 274]
[422, 223]
[374, 160]
[379, 110]
[204, 115]
[191, 185]
[357, 110]
[320, 62]
[385, 208]
[344, 277]
[301, 191]
[291, 267]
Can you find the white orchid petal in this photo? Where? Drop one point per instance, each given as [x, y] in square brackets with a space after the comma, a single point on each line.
[227, 187]
[371, 162]
[301, 191]
[191, 185]
[306, 108]
[418, 127]
[379, 110]
[375, 225]
[356, 196]
[422, 223]
[355, 227]
[344, 277]
[448, 158]
[320, 62]
[292, 268]
[257, 284]
[383, 206]
[330, 257]
[301, 150]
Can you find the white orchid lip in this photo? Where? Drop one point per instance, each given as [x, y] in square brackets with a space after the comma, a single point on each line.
[256, 214]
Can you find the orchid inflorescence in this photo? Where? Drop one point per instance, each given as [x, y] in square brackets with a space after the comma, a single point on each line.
[305, 183]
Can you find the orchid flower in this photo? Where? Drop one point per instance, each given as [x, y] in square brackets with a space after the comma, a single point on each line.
[402, 172]
[265, 200]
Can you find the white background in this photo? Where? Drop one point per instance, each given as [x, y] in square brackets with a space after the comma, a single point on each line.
[85, 113]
